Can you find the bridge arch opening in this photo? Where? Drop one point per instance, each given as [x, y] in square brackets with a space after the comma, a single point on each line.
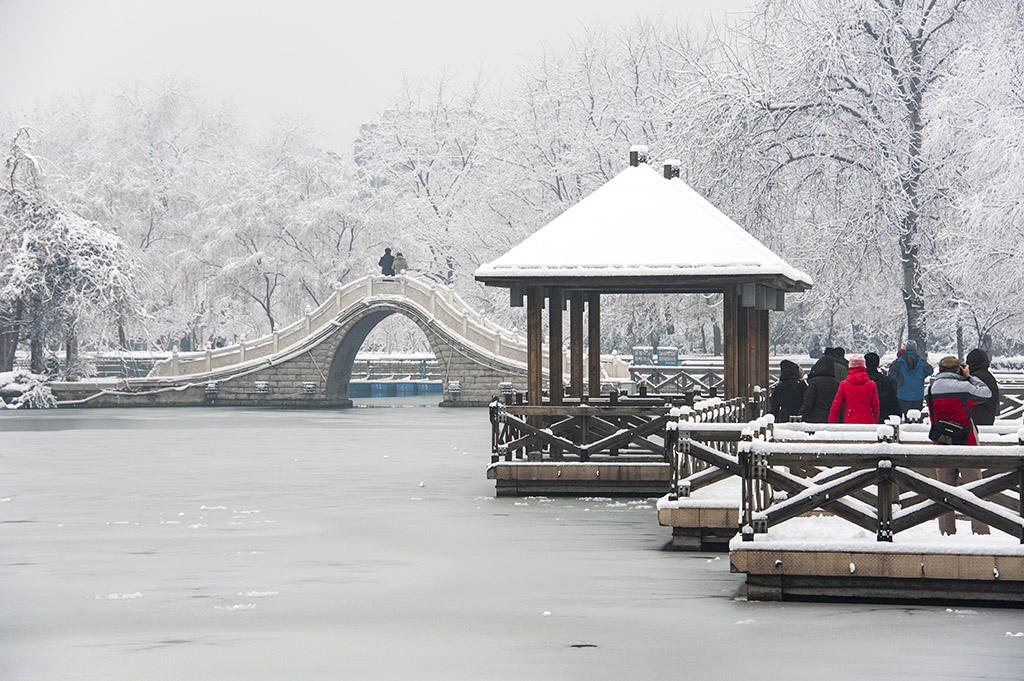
[388, 329]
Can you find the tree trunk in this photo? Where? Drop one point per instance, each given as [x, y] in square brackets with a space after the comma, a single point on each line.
[71, 356]
[38, 364]
[9, 337]
[8, 346]
[913, 294]
[716, 338]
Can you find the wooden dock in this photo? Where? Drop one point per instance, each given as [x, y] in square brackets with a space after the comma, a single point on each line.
[621, 477]
[901, 574]
[877, 481]
[700, 524]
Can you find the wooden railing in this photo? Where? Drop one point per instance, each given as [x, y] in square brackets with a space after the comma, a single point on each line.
[711, 420]
[617, 427]
[837, 477]
[705, 376]
[859, 473]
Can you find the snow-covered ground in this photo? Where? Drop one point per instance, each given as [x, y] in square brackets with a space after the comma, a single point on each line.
[221, 544]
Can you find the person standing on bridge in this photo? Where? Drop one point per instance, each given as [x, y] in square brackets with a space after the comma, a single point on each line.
[401, 265]
[387, 263]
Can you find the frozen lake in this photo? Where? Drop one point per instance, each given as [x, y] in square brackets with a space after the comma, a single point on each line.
[367, 544]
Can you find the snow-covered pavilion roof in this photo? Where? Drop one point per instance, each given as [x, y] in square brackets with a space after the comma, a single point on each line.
[642, 232]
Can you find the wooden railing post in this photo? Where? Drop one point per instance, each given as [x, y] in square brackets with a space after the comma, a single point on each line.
[884, 501]
[746, 458]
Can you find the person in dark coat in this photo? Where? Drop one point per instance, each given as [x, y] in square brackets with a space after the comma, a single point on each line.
[887, 405]
[838, 355]
[984, 414]
[788, 394]
[856, 401]
[387, 263]
[822, 386]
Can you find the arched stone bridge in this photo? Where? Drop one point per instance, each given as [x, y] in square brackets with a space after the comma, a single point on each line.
[309, 363]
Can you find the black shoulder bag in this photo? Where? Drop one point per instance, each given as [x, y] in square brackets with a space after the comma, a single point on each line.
[944, 431]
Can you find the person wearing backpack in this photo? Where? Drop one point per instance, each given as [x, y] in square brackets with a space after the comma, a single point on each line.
[950, 398]
[908, 372]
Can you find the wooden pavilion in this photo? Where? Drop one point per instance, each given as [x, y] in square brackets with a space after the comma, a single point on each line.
[641, 232]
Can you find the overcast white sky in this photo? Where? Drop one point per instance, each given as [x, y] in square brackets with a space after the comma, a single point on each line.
[336, 63]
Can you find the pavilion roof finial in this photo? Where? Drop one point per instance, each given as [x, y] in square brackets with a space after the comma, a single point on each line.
[637, 154]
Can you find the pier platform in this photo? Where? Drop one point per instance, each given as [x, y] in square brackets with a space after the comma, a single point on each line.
[620, 477]
[926, 568]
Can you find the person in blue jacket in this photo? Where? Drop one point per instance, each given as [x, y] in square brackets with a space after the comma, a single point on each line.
[908, 373]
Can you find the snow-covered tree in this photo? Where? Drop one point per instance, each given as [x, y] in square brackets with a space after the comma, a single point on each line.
[56, 268]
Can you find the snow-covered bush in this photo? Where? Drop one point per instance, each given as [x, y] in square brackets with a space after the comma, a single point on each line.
[20, 389]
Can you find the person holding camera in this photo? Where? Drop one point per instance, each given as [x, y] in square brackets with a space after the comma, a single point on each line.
[950, 398]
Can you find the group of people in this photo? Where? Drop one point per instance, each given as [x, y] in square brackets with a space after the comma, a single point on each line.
[962, 396]
[856, 390]
[390, 265]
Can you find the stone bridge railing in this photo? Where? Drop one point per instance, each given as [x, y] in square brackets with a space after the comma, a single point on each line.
[441, 302]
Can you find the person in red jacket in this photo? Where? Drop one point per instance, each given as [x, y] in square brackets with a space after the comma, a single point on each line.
[856, 400]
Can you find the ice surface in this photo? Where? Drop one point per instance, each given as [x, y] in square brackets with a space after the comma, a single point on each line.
[352, 579]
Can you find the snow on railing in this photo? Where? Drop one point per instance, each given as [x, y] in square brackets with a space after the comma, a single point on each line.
[439, 303]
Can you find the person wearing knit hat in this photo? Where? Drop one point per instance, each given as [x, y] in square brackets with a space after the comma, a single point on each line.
[951, 397]
[856, 401]
[908, 373]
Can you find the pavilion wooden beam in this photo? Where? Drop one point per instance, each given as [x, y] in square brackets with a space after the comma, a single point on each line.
[594, 343]
[555, 389]
[534, 352]
[759, 362]
[576, 344]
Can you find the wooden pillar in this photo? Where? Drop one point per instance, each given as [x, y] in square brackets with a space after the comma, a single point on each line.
[594, 343]
[576, 344]
[534, 352]
[730, 341]
[745, 331]
[555, 389]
